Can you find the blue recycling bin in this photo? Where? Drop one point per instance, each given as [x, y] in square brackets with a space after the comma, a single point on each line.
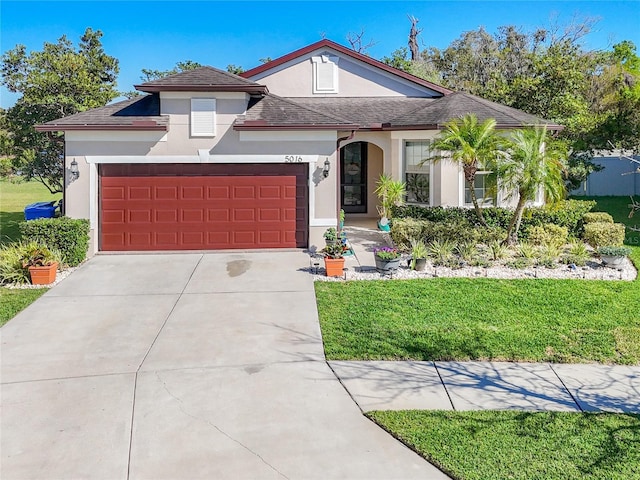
[40, 210]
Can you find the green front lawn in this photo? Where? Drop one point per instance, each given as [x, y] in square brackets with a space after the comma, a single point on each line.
[522, 446]
[13, 301]
[482, 319]
[486, 319]
[13, 198]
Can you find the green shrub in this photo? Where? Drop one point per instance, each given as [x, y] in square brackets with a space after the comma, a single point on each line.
[11, 268]
[566, 213]
[548, 234]
[599, 234]
[595, 217]
[69, 236]
[519, 263]
[403, 230]
[498, 251]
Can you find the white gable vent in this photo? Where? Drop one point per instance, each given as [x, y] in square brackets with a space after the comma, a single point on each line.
[325, 74]
[203, 117]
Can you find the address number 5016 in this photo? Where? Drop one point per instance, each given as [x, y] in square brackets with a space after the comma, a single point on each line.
[293, 159]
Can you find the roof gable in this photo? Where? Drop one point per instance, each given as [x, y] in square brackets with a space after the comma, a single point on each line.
[274, 64]
[202, 79]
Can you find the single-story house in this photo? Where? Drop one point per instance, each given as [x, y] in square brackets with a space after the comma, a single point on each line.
[210, 160]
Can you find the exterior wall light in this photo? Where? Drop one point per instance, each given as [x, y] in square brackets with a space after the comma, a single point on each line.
[327, 167]
[73, 168]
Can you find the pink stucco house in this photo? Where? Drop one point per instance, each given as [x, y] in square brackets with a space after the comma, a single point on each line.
[211, 160]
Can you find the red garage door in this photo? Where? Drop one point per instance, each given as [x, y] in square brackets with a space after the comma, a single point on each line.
[195, 207]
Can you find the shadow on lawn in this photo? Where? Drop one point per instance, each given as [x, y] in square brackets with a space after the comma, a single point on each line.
[10, 222]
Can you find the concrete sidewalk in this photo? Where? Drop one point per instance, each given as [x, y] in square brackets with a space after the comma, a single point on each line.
[184, 366]
[402, 385]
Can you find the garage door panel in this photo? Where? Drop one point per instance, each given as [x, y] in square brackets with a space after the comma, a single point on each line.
[142, 211]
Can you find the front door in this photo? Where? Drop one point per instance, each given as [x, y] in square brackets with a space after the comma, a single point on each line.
[353, 177]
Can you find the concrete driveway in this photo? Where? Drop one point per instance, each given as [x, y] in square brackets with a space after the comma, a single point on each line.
[183, 366]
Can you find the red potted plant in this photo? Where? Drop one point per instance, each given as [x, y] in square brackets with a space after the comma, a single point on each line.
[41, 262]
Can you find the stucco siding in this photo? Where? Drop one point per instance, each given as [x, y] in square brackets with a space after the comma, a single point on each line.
[355, 79]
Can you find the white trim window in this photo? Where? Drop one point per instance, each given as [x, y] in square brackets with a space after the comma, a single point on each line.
[203, 117]
[418, 175]
[485, 186]
[325, 74]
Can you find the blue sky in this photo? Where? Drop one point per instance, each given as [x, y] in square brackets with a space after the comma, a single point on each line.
[157, 34]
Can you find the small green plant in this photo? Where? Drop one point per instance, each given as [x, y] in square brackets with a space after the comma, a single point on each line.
[441, 251]
[467, 251]
[549, 254]
[519, 263]
[341, 217]
[578, 254]
[614, 251]
[527, 250]
[418, 251]
[331, 235]
[599, 234]
[387, 253]
[498, 251]
[391, 193]
[333, 250]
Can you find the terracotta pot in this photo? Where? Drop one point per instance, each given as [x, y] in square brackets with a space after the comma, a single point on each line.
[387, 266]
[334, 266]
[43, 275]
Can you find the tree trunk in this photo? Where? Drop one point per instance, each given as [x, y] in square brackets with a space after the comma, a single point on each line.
[514, 224]
[474, 200]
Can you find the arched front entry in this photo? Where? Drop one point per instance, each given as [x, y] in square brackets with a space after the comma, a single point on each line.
[360, 166]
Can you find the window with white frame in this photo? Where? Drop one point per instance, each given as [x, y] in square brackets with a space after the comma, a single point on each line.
[325, 74]
[203, 117]
[417, 171]
[485, 187]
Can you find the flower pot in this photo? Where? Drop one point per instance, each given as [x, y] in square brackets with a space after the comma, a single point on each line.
[334, 266]
[613, 260]
[43, 275]
[420, 264]
[387, 266]
[383, 224]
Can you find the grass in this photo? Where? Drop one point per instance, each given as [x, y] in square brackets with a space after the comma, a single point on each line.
[13, 198]
[522, 446]
[13, 301]
[485, 319]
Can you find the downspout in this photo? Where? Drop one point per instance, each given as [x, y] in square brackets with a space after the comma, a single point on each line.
[338, 142]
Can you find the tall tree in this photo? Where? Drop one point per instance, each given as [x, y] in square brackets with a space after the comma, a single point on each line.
[534, 163]
[474, 146]
[56, 82]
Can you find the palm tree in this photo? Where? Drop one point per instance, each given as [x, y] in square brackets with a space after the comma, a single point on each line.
[534, 163]
[474, 146]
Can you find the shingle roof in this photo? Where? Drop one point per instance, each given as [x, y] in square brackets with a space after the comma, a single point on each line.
[274, 111]
[202, 79]
[367, 112]
[138, 113]
[459, 104]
